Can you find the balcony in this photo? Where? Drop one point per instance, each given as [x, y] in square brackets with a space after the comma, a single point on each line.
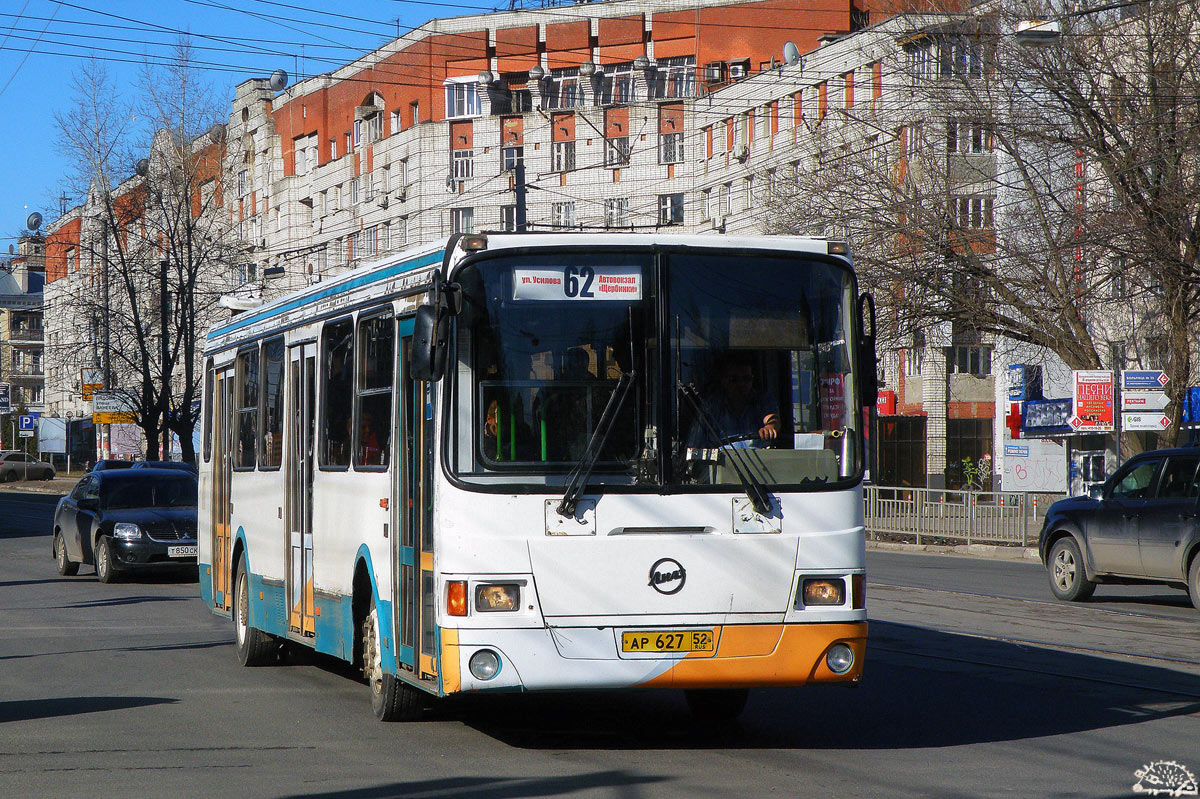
[22, 333]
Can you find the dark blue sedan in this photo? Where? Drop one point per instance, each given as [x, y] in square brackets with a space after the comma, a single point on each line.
[122, 520]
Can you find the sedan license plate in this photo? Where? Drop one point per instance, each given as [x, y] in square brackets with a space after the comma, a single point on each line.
[181, 552]
[668, 641]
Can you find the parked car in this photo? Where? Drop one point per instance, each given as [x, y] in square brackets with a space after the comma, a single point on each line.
[110, 463]
[180, 465]
[1141, 526]
[15, 465]
[119, 520]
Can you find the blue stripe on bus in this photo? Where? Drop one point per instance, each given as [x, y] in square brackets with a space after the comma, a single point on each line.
[206, 593]
[270, 613]
[371, 277]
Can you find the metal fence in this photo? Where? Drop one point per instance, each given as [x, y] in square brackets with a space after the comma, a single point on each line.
[991, 517]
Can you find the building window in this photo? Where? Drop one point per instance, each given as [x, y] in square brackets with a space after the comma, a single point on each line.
[617, 84]
[462, 220]
[397, 121]
[616, 212]
[913, 140]
[962, 56]
[354, 191]
[372, 128]
[368, 184]
[301, 157]
[414, 112]
[462, 164]
[963, 136]
[616, 151]
[462, 99]
[670, 148]
[333, 149]
[565, 90]
[670, 209]
[508, 218]
[913, 358]
[921, 61]
[511, 157]
[366, 243]
[973, 212]
[969, 360]
[243, 182]
[562, 215]
[513, 101]
[562, 156]
[675, 77]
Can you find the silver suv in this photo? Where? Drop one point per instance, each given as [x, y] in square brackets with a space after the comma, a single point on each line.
[19, 466]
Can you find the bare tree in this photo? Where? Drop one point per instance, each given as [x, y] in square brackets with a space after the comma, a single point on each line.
[153, 246]
[1048, 194]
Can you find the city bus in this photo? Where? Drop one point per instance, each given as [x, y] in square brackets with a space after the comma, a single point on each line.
[562, 461]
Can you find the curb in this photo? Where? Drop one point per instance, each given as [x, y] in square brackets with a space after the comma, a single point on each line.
[994, 551]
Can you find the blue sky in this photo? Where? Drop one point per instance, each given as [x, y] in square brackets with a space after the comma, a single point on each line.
[43, 42]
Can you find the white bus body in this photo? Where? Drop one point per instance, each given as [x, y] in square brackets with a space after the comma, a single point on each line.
[418, 527]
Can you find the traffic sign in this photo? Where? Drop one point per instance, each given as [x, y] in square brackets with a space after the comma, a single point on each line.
[1145, 421]
[5, 406]
[1153, 379]
[25, 423]
[1144, 400]
[25, 433]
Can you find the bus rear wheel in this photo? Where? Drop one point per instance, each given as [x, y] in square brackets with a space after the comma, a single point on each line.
[717, 704]
[391, 698]
[254, 647]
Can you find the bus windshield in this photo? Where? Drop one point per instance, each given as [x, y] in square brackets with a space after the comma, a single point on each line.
[757, 376]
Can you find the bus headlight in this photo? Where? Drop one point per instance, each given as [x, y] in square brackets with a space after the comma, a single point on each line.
[821, 591]
[839, 658]
[484, 664]
[126, 531]
[497, 596]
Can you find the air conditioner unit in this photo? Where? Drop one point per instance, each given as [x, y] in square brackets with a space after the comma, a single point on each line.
[714, 72]
[382, 202]
[402, 195]
[718, 223]
[741, 152]
[738, 69]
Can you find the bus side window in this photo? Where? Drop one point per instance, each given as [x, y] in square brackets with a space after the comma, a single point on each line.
[337, 390]
[376, 342]
[247, 410]
[272, 421]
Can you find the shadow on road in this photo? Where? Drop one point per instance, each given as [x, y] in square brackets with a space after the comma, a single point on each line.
[125, 600]
[28, 709]
[922, 689]
[492, 787]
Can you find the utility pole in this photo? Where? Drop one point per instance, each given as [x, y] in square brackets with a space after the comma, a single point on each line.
[522, 191]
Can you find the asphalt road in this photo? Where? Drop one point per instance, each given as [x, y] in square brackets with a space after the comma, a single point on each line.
[977, 684]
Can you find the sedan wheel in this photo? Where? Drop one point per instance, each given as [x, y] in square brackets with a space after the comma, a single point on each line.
[1068, 581]
[106, 569]
[65, 566]
[1194, 582]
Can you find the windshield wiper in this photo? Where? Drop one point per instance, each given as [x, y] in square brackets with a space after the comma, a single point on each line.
[582, 472]
[754, 487]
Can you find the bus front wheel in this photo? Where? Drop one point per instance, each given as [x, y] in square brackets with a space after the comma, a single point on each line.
[391, 698]
[254, 647]
[717, 704]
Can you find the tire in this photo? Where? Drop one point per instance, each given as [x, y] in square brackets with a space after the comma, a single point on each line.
[717, 704]
[1194, 582]
[254, 647]
[11, 477]
[391, 698]
[106, 567]
[1068, 581]
[66, 567]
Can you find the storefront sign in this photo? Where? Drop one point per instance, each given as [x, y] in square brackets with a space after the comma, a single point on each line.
[1092, 410]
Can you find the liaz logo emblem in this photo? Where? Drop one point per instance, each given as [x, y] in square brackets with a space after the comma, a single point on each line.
[667, 576]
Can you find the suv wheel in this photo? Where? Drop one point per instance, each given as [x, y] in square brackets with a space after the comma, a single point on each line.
[1068, 581]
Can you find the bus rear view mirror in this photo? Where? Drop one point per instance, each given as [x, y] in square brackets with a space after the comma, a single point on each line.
[429, 342]
[867, 359]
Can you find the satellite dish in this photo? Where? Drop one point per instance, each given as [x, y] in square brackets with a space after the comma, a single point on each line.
[142, 167]
[33, 221]
[279, 80]
[791, 54]
[10, 249]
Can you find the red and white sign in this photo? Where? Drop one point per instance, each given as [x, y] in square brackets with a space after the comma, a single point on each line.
[1144, 400]
[833, 401]
[578, 284]
[1092, 409]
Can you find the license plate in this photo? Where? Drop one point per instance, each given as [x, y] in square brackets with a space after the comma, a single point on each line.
[668, 641]
[181, 552]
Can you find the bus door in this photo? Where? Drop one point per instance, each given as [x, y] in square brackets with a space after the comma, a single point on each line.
[302, 395]
[417, 650]
[222, 505]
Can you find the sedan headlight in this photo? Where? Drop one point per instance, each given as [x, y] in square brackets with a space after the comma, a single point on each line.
[127, 531]
[821, 591]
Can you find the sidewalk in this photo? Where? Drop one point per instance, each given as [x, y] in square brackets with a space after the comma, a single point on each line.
[59, 485]
[970, 550]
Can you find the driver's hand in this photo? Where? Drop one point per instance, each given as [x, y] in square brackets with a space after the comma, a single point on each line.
[770, 429]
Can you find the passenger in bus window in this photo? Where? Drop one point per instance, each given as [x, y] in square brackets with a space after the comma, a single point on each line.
[739, 409]
[505, 436]
[370, 448]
